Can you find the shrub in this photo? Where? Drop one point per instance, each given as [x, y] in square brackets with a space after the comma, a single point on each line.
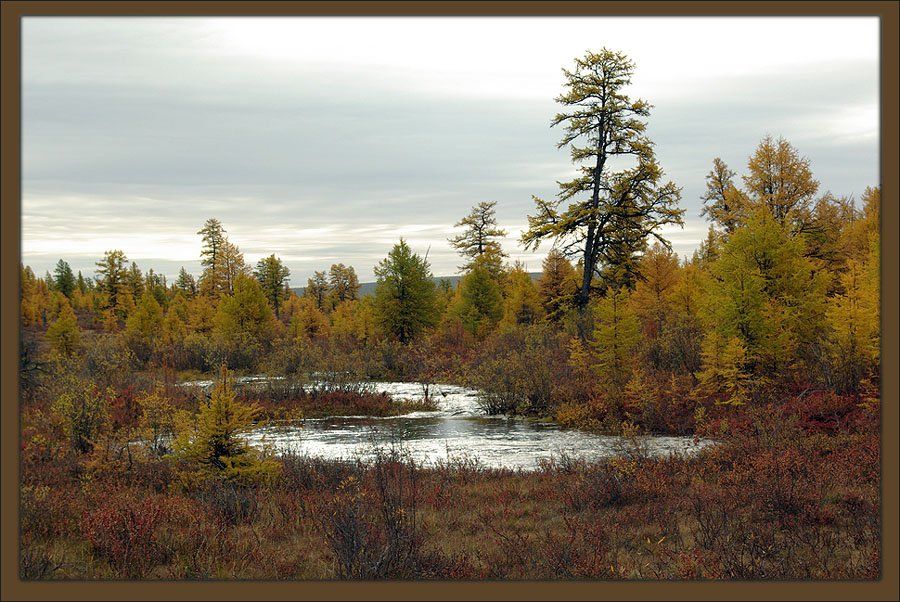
[374, 529]
[122, 530]
[82, 409]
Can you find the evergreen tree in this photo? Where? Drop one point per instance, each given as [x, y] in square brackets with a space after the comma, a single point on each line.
[64, 279]
[213, 236]
[479, 302]
[222, 261]
[405, 300]
[186, 283]
[81, 284]
[135, 281]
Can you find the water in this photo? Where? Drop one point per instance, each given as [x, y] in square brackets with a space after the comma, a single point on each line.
[457, 429]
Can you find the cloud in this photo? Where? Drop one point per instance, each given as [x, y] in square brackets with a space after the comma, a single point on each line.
[327, 139]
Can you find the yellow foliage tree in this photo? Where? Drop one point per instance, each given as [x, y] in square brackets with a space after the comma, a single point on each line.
[64, 335]
[214, 440]
[724, 376]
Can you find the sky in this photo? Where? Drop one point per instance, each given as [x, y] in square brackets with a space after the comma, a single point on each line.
[325, 140]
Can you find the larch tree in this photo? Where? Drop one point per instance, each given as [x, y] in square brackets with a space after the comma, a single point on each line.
[186, 283]
[557, 286]
[213, 236]
[215, 439]
[308, 322]
[244, 321]
[144, 328]
[723, 202]
[405, 299]
[273, 275]
[233, 266]
[853, 318]
[112, 278]
[522, 302]
[616, 335]
[768, 294]
[81, 284]
[659, 272]
[63, 334]
[479, 301]
[317, 288]
[480, 234]
[343, 284]
[610, 214]
[781, 180]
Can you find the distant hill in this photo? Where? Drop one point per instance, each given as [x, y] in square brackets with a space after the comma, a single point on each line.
[368, 288]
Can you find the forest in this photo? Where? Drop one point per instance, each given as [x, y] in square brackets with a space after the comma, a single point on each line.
[766, 341]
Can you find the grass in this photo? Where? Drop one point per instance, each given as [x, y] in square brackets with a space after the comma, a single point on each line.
[783, 497]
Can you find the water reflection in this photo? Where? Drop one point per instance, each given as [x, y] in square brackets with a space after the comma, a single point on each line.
[458, 429]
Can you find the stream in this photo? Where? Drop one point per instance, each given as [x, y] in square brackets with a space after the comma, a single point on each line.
[457, 430]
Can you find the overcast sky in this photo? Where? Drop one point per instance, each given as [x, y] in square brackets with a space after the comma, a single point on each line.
[324, 140]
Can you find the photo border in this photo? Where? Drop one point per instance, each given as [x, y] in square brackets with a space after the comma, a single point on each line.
[10, 189]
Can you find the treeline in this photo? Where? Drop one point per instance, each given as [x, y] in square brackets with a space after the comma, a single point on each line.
[781, 297]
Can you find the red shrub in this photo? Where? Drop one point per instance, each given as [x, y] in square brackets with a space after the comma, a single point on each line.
[122, 529]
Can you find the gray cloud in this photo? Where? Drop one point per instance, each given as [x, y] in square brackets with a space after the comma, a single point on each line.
[132, 137]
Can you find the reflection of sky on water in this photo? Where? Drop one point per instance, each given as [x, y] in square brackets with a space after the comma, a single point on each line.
[456, 430]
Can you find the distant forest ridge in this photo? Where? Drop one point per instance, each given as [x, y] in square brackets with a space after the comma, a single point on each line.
[368, 288]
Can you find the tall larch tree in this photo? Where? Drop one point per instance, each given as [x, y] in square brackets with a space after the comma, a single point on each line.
[767, 294]
[610, 214]
[480, 236]
[214, 257]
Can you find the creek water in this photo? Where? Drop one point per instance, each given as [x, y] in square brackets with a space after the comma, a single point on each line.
[457, 429]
